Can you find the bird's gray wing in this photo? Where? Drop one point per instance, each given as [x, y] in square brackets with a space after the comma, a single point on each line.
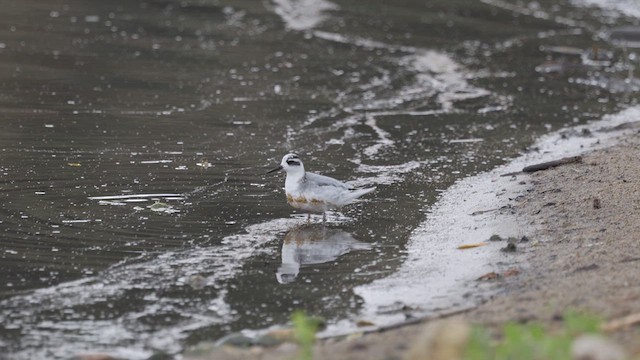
[321, 180]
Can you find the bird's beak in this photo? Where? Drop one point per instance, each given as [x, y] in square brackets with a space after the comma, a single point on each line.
[274, 170]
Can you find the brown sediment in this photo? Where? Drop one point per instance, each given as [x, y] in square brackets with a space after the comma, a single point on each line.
[303, 200]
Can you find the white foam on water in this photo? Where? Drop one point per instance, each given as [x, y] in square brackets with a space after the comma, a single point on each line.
[445, 76]
[125, 334]
[436, 274]
[626, 7]
[533, 9]
[303, 14]
[434, 75]
[384, 138]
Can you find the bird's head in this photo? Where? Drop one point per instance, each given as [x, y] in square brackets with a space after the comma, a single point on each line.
[291, 164]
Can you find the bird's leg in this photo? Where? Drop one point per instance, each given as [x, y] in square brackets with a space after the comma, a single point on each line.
[308, 218]
[324, 217]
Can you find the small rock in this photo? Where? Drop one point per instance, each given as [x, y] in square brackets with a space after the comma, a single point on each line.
[511, 247]
[524, 239]
[495, 238]
[284, 334]
[596, 347]
[596, 203]
[588, 267]
[276, 337]
[268, 341]
[237, 340]
[440, 340]
[358, 346]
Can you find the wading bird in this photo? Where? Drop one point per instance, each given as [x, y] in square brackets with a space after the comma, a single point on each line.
[315, 193]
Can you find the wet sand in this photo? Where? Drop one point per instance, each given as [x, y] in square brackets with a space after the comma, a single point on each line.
[582, 221]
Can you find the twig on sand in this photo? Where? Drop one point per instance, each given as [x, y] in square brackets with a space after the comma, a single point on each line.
[546, 165]
[480, 212]
[621, 323]
[412, 321]
[551, 164]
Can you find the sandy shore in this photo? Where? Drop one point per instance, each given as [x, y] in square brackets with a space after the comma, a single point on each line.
[583, 225]
[584, 254]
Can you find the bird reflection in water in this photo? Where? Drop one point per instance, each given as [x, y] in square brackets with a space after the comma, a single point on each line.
[313, 244]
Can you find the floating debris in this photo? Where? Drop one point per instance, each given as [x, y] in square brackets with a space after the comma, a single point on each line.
[364, 323]
[625, 36]
[132, 196]
[197, 282]
[79, 221]
[156, 161]
[562, 50]
[511, 272]
[163, 208]
[204, 164]
[113, 203]
[462, 141]
[92, 18]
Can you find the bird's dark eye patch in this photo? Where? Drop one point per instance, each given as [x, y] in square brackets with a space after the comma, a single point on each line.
[293, 162]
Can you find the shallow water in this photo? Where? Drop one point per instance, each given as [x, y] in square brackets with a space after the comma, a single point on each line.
[136, 214]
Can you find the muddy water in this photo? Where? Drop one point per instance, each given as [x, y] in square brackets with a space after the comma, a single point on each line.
[136, 216]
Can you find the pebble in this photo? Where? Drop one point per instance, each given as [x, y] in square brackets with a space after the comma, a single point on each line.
[596, 347]
[511, 247]
[495, 238]
[440, 340]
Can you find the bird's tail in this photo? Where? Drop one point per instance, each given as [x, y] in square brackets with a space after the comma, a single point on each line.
[355, 194]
